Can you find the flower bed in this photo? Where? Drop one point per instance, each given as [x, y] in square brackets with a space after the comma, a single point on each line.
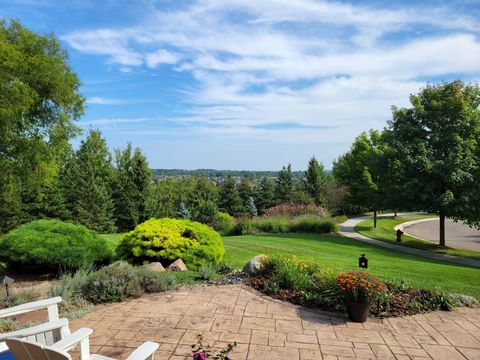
[308, 284]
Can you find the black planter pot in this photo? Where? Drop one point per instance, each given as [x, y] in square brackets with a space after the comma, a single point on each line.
[357, 312]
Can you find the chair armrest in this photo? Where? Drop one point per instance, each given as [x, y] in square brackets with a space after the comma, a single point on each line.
[74, 339]
[144, 351]
[35, 330]
[50, 304]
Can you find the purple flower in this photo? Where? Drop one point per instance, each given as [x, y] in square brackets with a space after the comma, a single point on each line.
[199, 356]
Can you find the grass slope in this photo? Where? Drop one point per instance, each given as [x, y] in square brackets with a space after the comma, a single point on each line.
[385, 232]
[341, 254]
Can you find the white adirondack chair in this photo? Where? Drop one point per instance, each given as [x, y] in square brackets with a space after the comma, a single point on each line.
[28, 350]
[48, 333]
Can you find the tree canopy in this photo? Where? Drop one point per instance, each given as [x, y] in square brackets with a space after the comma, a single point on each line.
[39, 102]
[433, 147]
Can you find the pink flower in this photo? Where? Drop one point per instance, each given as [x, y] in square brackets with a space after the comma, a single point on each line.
[199, 356]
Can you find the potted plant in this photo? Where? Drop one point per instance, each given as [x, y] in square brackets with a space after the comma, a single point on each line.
[359, 289]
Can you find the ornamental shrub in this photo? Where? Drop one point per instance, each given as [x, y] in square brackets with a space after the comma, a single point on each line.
[55, 244]
[223, 222]
[165, 240]
[311, 224]
[112, 283]
[289, 210]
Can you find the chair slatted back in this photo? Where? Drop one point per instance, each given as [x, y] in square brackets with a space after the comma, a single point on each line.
[28, 350]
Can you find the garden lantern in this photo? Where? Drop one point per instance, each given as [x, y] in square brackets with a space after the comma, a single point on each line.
[363, 262]
[6, 280]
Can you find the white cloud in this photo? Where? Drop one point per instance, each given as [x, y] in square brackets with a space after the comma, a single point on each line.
[97, 100]
[161, 57]
[304, 62]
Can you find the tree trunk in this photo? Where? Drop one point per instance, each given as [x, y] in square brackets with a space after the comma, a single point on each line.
[374, 218]
[395, 214]
[442, 227]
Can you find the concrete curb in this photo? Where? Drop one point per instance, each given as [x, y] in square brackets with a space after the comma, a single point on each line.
[347, 229]
[405, 225]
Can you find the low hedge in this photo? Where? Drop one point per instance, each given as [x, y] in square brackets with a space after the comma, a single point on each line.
[165, 240]
[53, 244]
[304, 224]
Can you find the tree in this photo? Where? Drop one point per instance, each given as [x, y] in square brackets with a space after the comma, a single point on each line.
[183, 212]
[434, 148]
[39, 102]
[91, 185]
[315, 180]
[284, 186]
[265, 195]
[130, 190]
[252, 209]
[358, 170]
[229, 199]
[245, 191]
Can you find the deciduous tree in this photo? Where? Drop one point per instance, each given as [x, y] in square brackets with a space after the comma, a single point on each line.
[434, 147]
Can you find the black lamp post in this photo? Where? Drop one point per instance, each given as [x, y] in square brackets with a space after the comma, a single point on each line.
[6, 280]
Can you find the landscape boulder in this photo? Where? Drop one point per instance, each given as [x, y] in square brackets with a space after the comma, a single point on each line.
[154, 266]
[254, 264]
[177, 265]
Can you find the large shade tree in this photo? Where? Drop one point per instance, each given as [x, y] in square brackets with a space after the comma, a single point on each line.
[434, 151]
[360, 172]
[39, 101]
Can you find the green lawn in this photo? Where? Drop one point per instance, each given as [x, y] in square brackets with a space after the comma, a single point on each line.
[112, 240]
[341, 254]
[385, 232]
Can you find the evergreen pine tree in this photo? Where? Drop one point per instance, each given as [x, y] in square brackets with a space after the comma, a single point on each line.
[252, 209]
[284, 186]
[315, 180]
[265, 195]
[245, 192]
[130, 189]
[92, 186]
[229, 199]
[183, 212]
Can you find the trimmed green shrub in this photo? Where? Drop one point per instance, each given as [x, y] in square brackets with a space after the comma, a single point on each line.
[166, 240]
[53, 243]
[112, 283]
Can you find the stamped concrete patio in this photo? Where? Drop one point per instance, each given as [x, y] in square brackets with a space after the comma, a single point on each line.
[266, 328]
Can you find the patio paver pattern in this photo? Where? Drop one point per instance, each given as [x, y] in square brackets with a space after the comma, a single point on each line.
[265, 328]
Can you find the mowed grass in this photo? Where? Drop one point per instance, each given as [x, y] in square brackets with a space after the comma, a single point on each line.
[341, 254]
[385, 232]
[112, 240]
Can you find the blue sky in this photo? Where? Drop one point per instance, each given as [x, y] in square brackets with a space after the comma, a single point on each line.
[248, 84]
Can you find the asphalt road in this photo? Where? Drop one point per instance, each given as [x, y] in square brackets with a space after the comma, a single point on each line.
[457, 234]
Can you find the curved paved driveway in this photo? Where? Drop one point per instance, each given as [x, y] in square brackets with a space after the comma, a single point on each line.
[457, 234]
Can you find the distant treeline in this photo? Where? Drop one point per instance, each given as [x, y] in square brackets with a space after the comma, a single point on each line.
[212, 173]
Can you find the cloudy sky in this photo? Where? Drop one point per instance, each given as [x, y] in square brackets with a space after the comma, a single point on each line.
[252, 84]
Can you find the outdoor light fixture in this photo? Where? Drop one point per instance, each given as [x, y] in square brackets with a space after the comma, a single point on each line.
[363, 262]
[6, 280]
